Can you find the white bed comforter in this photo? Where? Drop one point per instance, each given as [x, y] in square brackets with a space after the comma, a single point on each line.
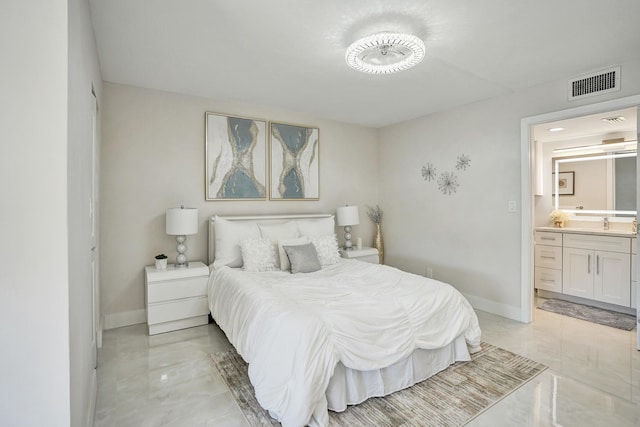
[292, 329]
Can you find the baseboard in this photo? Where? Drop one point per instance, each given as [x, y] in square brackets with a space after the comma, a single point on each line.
[124, 318]
[504, 310]
[93, 396]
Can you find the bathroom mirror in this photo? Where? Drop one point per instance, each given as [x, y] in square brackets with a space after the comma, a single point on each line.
[597, 184]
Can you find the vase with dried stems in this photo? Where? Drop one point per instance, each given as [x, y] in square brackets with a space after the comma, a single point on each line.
[375, 215]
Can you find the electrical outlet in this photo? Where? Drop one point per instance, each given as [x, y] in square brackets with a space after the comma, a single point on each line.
[430, 272]
[511, 206]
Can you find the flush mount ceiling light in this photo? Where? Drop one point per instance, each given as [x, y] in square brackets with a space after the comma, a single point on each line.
[385, 53]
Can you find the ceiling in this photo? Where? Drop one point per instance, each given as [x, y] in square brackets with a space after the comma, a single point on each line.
[588, 126]
[290, 53]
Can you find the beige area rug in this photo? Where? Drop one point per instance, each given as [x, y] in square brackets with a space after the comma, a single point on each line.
[450, 398]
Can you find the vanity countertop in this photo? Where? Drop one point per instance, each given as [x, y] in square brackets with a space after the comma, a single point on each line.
[578, 230]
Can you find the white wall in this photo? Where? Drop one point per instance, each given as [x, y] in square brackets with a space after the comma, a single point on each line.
[34, 299]
[84, 74]
[468, 238]
[153, 158]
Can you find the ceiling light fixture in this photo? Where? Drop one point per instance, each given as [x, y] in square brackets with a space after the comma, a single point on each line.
[624, 145]
[555, 129]
[385, 53]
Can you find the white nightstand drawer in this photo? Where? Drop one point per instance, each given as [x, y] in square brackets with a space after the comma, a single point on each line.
[548, 279]
[180, 309]
[365, 254]
[176, 289]
[548, 256]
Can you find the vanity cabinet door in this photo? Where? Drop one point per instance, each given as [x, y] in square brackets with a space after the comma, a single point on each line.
[577, 272]
[612, 278]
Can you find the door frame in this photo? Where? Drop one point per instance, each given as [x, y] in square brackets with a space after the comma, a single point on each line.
[527, 163]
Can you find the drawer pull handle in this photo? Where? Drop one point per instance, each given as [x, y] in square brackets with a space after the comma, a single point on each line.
[547, 257]
[589, 264]
[547, 238]
[547, 280]
[598, 264]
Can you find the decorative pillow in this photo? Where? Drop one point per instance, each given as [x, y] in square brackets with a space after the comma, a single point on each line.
[278, 232]
[303, 258]
[228, 235]
[316, 227]
[285, 265]
[258, 255]
[327, 248]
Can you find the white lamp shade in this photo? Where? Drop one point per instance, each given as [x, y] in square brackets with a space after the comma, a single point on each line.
[182, 221]
[348, 215]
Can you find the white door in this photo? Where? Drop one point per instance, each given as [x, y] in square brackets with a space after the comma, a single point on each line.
[577, 272]
[94, 235]
[613, 275]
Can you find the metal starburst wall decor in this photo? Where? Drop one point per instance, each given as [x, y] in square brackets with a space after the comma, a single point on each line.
[447, 181]
[429, 172]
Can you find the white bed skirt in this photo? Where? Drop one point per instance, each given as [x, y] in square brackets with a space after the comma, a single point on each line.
[350, 387]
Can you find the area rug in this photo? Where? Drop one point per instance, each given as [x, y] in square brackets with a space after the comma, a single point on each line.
[590, 314]
[450, 398]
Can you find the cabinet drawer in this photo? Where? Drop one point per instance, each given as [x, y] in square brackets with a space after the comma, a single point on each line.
[599, 243]
[548, 279]
[176, 289]
[175, 310]
[548, 238]
[548, 256]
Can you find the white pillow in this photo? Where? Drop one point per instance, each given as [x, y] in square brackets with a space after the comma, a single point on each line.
[228, 235]
[258, 255]
[327, 248]
[316, 227]
[285, 265]
[277, 232]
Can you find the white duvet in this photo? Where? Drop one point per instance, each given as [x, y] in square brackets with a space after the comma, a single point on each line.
[292, 329]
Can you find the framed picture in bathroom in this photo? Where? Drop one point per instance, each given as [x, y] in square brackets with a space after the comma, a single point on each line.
[566, 183]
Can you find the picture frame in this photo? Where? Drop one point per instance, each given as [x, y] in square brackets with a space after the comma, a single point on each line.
[235, 157]
[566, 183]
[294, 162]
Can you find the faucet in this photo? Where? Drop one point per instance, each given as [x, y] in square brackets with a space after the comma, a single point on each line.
[606, 222]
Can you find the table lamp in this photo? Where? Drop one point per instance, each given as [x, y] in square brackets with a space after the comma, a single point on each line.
[348, 216]
[180, 223]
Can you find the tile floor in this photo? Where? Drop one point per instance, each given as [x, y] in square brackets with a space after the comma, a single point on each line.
[167, 380]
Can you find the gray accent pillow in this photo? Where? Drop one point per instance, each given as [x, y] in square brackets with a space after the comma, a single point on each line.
[303, 258]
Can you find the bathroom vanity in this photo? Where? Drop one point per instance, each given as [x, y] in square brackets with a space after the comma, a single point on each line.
[594, 267]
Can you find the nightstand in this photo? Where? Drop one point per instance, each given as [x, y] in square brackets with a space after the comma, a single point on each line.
[365, 254]
[176, 298]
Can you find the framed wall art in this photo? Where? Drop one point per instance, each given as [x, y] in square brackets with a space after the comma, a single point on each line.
[566, 183]
[236, 158]
[295, 170]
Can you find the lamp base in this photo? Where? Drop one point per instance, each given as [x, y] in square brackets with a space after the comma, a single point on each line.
[181, 259]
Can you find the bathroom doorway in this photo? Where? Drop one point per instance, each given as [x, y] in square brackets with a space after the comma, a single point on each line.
[534, 183]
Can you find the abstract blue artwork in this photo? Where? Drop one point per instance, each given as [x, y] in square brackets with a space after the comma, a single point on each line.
[236, 162]
[294, 162]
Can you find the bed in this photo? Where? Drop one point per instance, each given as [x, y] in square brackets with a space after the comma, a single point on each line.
[331, 337]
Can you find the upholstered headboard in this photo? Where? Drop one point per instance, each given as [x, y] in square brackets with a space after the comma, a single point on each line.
[259, 219]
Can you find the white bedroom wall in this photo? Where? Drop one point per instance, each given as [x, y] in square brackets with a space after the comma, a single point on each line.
[468, 238]
[153, 158]
[34, 299]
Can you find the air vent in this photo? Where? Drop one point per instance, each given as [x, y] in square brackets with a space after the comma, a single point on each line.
[594, 83]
